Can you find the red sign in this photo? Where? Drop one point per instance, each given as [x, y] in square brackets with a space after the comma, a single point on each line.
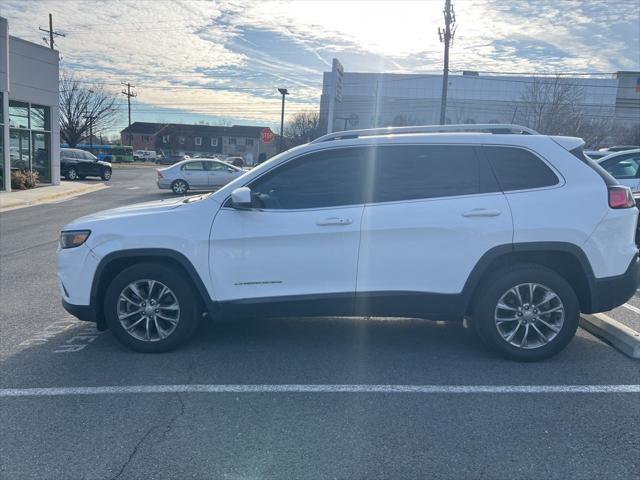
[266, 135]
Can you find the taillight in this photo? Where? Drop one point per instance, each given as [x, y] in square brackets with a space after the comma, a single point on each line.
[159, 174]
[621, 197]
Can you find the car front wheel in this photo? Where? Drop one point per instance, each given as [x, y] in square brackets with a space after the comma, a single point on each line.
[526, 313]
[179, 187]
[151, 308]
[106, 174]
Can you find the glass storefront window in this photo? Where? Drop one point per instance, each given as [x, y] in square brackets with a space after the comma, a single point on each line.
[19, 151]
[18, 114]
[41, 155]
[39, 118]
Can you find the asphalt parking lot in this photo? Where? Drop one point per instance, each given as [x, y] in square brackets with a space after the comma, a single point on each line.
[289, 398]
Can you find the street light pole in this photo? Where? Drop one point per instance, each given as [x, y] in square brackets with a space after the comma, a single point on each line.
[283, 92]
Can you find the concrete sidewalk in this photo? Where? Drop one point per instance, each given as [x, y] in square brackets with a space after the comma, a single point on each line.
[34, 196]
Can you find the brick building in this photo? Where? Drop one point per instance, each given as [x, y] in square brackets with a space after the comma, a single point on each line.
[178, 139]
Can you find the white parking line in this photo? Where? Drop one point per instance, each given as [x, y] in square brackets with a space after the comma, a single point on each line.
[631, 307]
[301, 388]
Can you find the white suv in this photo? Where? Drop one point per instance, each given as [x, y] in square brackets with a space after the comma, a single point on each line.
[515, 231]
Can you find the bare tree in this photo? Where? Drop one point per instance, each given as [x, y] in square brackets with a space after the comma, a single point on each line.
[82, 109]
[302, 128]
[405, 120]
[554, 106]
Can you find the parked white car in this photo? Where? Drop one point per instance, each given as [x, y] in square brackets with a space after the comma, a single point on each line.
[145, 155]
[517, 232]
[197, 174]
[625, 167]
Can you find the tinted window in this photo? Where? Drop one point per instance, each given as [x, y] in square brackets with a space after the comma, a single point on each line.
[414, 172]
[193, 166]
[218, 167]
[518, 169]
[68, 154]
[625, 166]
[323, 179]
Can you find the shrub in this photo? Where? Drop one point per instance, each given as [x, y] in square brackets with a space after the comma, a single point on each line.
[22, 180]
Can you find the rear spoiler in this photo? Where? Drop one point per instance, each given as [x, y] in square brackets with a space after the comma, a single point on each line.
[568, 143]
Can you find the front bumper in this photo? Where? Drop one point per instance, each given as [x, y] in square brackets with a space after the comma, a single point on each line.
[609, 293]
[85, 313]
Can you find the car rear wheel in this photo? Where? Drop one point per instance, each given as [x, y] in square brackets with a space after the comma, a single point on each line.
[526, 313]
[151, 308]
[72, 173]
[106, 174]
[179, 187]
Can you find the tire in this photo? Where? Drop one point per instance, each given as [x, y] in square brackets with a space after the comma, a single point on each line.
[72, 174]
[106, 174]
[548, 333]
[145, 333]
[180, 187]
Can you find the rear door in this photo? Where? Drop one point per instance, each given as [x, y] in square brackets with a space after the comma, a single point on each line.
[433, 212]
[195, 174]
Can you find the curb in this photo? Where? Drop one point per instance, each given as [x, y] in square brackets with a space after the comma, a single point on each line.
[53, 196]
[617, 334]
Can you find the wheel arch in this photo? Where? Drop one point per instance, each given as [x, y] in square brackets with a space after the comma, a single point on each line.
[566, 259]
[115, 262]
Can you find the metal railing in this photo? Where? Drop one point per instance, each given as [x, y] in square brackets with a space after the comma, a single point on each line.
[493, 128]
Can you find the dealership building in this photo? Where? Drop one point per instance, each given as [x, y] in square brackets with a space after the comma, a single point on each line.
[29, 131]
[365, 100]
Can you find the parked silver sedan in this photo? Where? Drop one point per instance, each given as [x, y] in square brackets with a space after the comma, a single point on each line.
[197, 174]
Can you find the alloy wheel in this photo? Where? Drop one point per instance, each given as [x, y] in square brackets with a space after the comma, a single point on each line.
[179, 187]
[148, 310]
[529, 315]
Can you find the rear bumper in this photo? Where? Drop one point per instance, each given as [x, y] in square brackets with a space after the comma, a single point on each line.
[85, 313]
[609, 293]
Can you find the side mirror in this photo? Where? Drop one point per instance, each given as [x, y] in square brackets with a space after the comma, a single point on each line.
[241, 198]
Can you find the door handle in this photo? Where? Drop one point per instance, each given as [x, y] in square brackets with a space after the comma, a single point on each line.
[334, 221]
[482, 212]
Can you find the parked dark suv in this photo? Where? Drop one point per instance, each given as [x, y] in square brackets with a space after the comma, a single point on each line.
[77, 164]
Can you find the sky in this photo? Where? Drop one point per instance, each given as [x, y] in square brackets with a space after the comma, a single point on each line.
[223, 61]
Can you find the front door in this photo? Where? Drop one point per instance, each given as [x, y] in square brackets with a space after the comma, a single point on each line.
[298, 245]
[219, 174]
[195, 174]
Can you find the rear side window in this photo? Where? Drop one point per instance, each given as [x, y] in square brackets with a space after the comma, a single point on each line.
[428, 171]
[193, 166]
[519, 169]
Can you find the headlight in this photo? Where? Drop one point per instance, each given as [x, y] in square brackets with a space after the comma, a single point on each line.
[73, 238]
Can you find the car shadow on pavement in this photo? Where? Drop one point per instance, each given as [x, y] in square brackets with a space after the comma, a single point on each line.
[307, 351]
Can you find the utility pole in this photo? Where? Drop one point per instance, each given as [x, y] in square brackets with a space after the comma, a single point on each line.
[90, 119]
[446, 37]
[283, 92]
[128, 94]
[52, 33]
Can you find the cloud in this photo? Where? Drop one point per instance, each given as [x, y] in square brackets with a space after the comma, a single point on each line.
[225, 59]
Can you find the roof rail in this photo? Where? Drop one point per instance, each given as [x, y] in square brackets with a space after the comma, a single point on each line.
[495, 128]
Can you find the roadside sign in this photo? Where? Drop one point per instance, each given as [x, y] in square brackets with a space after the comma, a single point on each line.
[266, 135]
[338, 72]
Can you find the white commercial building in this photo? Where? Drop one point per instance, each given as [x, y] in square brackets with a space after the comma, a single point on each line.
[29, 131]
[364, 100]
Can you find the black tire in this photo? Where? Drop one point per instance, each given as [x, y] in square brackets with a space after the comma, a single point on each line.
[106, 174]
[493, 288]
[72, 174]
[180, 287]
[180, 187]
